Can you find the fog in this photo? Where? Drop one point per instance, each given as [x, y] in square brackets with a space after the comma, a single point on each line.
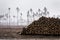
[53, 6]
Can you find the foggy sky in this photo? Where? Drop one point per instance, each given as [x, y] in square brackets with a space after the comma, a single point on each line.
[53, 6]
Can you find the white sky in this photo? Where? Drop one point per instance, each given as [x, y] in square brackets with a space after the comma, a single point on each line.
[53, 6]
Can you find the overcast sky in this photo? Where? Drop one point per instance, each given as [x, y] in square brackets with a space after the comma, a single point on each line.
[53, 6]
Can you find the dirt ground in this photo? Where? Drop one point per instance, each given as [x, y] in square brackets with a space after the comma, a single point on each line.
[10, 32]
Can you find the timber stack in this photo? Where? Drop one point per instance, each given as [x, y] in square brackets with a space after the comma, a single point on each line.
[44, 25]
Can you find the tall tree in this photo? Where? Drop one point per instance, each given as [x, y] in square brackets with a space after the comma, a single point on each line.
[28, 17]
[31, 10]
[9, 15]
[45, 11]
[9, 18]
[48, 13]
[17, 13]
[36, 13]
[21, 18]
[32, 13]
[39, 12]
[1, 16]
[33, 16]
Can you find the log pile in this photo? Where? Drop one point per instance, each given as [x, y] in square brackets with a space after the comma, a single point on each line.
[43, 26]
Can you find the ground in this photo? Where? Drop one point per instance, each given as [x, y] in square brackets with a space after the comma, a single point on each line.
[10, 32]
[13, 33]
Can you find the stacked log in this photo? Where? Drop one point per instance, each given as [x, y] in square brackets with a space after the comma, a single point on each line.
[44, 26]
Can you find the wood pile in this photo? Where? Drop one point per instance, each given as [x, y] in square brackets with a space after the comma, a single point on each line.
[49, 26]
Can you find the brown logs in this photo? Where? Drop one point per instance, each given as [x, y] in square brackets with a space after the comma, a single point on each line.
[43, 26]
